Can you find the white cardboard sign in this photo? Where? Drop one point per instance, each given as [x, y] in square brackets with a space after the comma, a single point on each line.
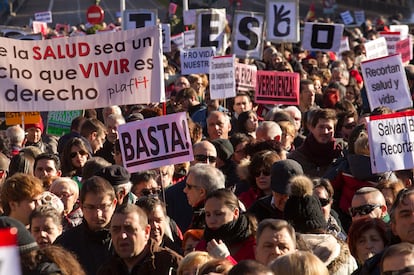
[210, 29]
[222, 80]
[347, 17]
[392, 38]
[322, 37]
[282, 19]
[376, 48]
[246, 77]
[155, 142]
[196, 60]
[391, 141]
[139, 18]
[386, 83]
[44, 16]
[247, 40]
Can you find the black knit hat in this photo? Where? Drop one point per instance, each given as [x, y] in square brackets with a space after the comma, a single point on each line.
[224, 148]
[115, 174]
[281, 172]
[25, 240]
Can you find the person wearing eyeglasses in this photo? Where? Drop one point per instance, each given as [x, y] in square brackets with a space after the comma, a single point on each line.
[91, 240]
[368, 202]
[398, 259]
[144, 184]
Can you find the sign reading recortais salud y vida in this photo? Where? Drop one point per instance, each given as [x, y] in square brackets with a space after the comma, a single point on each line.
[273, 87]
[222, 77]
[82, 72]
[386, 83]
[391, 141]
[196, 60]
[155, 142]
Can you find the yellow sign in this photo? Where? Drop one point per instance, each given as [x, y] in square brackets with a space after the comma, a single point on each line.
[13, 118]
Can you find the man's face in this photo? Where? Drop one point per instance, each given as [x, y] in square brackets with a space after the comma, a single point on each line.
[205, 153]
[347, 127]
[307, 95]
[359, 201]
[242, 104]
[97, 210]
[97, 141]
[64, 191]
[218, 126]
[323, 131]
[45, 230]
[21, 210]
[181, 83]
[195, 194]
[128, 237]
[112, 128]
[158, 223]
[403, 223]
[272, 244]
[326, 202]
[397, 263]
[46, 168]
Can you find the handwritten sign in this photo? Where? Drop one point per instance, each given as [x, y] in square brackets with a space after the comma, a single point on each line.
[391, 141]
[82, 72]
[273, 87]
[386, 83]
[222, 81]
[155, 142]
[245, 77]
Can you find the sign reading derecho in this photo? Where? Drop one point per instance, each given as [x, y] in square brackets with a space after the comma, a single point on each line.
[273, 87]
[391, 141]
[386, 83]
[155, 142]
[82, 72]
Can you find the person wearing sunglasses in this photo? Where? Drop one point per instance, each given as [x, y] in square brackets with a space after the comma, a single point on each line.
[398, 259]
[73, 158]
[368, 202]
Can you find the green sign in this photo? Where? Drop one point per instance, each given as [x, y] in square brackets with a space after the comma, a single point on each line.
[58, 122]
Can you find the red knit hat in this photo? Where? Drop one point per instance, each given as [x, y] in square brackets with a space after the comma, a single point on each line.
[35, 125]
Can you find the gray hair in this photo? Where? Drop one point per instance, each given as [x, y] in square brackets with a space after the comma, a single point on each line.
[208, 177]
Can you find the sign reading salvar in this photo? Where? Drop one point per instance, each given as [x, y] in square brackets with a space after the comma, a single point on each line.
[155, 142]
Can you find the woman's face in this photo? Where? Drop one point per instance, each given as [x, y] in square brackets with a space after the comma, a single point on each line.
[45, 230]
[78, 156]
[252, 123]
[218, 214]
[262, 178]
[318, 86]
[368, 244]
[239, 152]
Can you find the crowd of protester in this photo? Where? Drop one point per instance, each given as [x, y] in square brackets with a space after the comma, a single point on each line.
[272, 189]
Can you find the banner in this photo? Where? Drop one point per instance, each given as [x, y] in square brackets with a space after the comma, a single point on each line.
[392, 39]
[82, 72]
[196, 60]
[155, 142]
[59, 122]
[391, 143]
[386, 83]
[275, 87]
[282, 21]
[247, 39]
[222, 81]
[245, 77]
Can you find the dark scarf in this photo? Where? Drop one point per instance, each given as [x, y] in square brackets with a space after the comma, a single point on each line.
[230, 233]
[320, 153]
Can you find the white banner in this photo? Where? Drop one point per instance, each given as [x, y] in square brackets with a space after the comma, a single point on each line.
[222, 77]
[376, 48]
[211, 29]
[196, 60]
[247, 41]
[155, 142]
[322, 37]
[282, 21]
[386, 83]
[392, 39]
[391, 143]
[82, 72]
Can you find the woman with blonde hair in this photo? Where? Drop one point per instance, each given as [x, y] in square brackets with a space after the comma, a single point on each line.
[299, 263]
[191, 263]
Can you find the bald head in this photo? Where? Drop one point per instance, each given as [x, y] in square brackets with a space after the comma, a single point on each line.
[204, 152]
[268, 130]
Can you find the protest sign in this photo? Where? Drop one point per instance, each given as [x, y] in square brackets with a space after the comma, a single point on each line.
[82, 72]
[178, 40]
[282, 21]
[273, 87]
[14, 118]
[139, 18]
[392, 38]
[189, 17]
[347, 17]
[359, 17]
[405, 48]
[166, 38]
[189, 38]
[44, 16]
[404, 30]
[196, 60]
[155, 142]
[344, 44]
[376, 48]
[386, 83]
[9, 252]
[247, 40]
[245, 77]
[40, 27]
[211, 29]
[391, 143]
[59, 122]
[222, 81]
[322, 37]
